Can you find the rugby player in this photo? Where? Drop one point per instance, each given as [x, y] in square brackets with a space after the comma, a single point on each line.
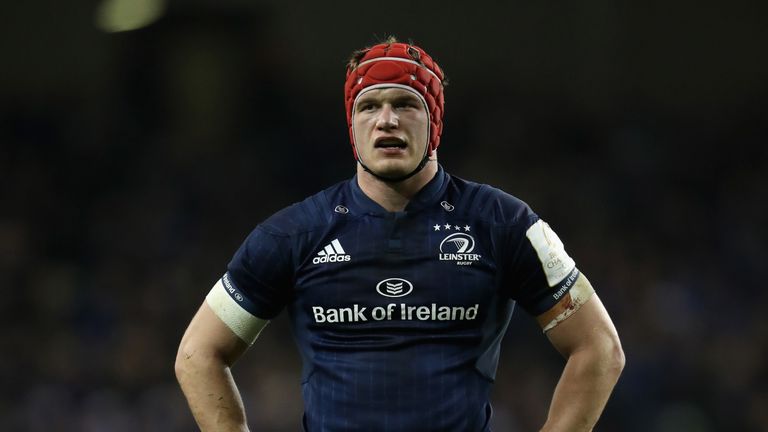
[400, 283]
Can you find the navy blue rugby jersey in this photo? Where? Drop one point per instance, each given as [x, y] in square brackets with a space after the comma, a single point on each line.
[399, 316]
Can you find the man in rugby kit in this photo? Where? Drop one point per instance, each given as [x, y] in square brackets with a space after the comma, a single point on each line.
[400, 283]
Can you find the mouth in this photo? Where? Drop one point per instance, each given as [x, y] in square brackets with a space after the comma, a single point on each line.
[390, 143]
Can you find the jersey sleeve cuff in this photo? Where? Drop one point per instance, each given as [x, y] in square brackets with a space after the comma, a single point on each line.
[244, 324]
[570, 302]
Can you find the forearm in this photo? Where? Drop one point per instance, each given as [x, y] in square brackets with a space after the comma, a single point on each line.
[211, 392]
[583, 390]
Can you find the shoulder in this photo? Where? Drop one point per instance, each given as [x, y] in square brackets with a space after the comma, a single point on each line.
[312, 213]
[490, 203]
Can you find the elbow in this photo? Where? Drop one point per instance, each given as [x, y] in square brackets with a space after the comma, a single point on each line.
[615, 358]
[181, 365]
[193, 360]
[186, 359]
[606, 357]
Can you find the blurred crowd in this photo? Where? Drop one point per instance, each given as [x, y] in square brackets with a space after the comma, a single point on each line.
[120, 211]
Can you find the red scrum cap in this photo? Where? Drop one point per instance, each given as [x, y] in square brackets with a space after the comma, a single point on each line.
[400, 65]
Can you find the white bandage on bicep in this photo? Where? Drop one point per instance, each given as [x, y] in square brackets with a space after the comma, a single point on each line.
[245, 325]
[557, 266]
[580, 293]
[555, 262]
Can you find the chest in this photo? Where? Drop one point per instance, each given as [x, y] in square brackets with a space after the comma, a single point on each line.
[429, 268]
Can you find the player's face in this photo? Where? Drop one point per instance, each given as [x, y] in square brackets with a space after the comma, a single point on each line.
[391, 130]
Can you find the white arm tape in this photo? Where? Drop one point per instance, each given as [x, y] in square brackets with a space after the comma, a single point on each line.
[579, 294]
[554, 260]
[246, 326]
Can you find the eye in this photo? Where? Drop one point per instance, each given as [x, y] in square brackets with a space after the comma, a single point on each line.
[365, 106]
[406, 104]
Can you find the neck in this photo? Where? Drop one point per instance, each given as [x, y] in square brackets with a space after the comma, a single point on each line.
[394, 196]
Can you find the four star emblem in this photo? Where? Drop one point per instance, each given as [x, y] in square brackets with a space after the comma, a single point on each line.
[448, 227]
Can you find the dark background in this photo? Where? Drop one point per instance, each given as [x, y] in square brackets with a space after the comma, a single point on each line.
[133, 164]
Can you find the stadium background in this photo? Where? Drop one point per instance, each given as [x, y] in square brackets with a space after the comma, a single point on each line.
[134, 163]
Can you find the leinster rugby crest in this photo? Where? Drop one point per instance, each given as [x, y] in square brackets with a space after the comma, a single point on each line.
[457, 244]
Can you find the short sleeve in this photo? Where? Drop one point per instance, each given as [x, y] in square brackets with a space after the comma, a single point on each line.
[537, 271]
[259, 277]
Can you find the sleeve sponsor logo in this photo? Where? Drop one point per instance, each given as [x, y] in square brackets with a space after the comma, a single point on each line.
[555, 262]
[231, 288]
[566, 284]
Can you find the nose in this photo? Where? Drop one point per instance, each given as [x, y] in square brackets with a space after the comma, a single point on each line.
[387, 118]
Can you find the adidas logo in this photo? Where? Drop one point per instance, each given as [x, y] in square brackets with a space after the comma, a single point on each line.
[332, 252]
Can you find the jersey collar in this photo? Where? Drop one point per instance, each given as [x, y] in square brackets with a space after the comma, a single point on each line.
[428, 195]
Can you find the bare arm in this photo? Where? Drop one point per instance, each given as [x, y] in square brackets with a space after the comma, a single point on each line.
[590, 343]
[203, 361]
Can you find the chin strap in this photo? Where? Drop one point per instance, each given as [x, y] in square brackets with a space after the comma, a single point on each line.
[420, 167]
